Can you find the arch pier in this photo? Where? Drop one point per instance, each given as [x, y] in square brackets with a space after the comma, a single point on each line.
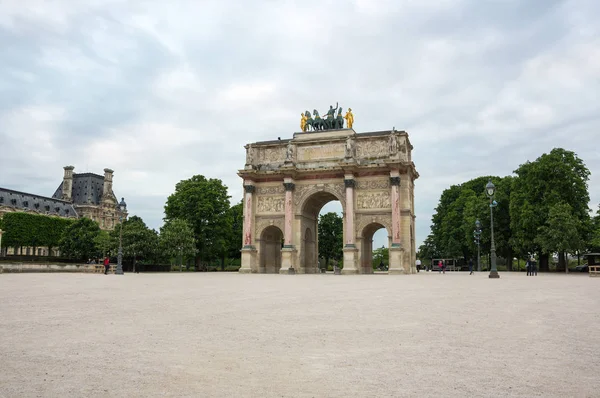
[287, 182]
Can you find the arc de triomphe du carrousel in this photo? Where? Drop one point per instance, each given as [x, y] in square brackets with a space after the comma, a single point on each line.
[288, 181]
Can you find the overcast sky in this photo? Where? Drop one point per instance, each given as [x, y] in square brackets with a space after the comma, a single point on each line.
[162, 90]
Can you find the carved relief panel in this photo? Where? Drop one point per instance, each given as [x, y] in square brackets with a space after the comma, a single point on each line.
[271, 155]
[373, 200]
[372, 148]
[270, 204]
[383, 183]
[324, 151]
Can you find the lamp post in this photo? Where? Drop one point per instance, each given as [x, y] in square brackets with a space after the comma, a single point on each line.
[122, 208]
[490, 190]
[477, 236]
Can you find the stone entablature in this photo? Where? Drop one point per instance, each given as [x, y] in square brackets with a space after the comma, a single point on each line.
[288, 181]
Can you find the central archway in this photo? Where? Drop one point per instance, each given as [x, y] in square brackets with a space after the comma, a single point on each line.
[308, 217]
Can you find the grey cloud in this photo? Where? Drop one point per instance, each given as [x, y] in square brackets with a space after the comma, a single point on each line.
[178, 90]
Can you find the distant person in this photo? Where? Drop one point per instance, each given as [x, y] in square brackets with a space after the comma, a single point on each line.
[106, 265]
[440, 266]
[418, 265]
[533, 268]
[471, 266]
[528, 267]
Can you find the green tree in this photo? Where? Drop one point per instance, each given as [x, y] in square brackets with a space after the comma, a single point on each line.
[139, 241]
[331, 228]
[381, 255]
[35, 230]
[553, 178]
[177, 239]
[105, 244]
[79, 239]
[428, 251]
[561, 232]
[204, 204]
[594, 236]
[454, 220]
[236, 213]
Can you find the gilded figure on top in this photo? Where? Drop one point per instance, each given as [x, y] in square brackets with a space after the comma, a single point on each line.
[349, 118]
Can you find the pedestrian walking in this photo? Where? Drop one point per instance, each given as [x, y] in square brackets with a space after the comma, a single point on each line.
[106, 265]
[528, 267]
[418, 265]
[470, 266]
[533, 268]
[440, 266]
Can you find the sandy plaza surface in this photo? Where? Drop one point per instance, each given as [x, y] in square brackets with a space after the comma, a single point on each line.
[233, 335]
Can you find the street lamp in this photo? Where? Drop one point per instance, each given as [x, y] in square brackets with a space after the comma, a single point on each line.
[122, 208]
[490, 190]
[1, 232]
[477, 236]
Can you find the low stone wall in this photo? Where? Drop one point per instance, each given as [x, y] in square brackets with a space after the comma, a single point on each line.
[32, 267]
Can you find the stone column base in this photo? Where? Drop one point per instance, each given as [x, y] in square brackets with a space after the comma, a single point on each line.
[350, 261]
[288, 257]
[249, 265]
[396, 261]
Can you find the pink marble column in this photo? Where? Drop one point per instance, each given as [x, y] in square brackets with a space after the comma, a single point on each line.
[349, 183]
[395, 196]
[289, 185]
[248, 216]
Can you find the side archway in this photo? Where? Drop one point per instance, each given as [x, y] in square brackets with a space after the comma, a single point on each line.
[365, 241]
[270, 243]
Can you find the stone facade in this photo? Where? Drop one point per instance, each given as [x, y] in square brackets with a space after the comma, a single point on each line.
[92, 196]
[287, 182]
[79, 195]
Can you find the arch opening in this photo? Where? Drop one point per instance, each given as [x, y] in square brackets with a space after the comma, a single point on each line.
[315, 206]
[374, 245]
[271, 242]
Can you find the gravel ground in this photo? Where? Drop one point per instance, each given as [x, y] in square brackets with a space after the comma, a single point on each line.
[231, 335]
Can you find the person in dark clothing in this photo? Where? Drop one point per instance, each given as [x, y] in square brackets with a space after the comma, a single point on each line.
[528, 267]
[106, 265]
[471, 266]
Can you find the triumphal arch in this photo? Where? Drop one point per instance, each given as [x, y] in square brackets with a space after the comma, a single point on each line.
[288, 181]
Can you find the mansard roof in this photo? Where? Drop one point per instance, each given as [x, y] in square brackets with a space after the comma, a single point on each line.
[85, 185]
[35, 203]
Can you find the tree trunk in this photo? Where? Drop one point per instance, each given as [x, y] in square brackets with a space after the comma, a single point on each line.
[562, 262]
[544, 265]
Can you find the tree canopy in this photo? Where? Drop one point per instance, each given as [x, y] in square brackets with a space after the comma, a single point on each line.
[78, 239]
[542, 209]
[204, 204]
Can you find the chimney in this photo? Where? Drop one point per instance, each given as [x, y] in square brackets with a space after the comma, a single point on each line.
[108, 177]
[67, 186]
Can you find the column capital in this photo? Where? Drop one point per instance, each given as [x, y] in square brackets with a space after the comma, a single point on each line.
[394, 181]
[249, 188]
[289, 186]
[349, 182]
